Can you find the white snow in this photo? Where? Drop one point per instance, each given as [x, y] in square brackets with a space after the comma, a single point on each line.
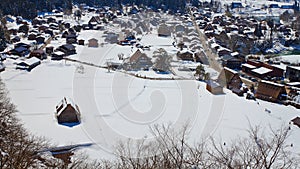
[290, 58]
[248, 66]
[116, 106]
[261, 70]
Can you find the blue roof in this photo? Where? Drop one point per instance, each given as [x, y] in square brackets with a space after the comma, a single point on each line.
[274, 6]
[20, 49]
[236, 5]
[287, 6]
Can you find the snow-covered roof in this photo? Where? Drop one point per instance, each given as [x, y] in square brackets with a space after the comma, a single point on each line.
[32, 61]
[248, 66]
[261, 70]
[295, 67]
[272, 83]
[58, 53]
[234, 53]
[222, 48]
[29, 61]
[293, 83]
[281, 66]
[213, 45]
[62, 105]
[230, 70]
[213, 83]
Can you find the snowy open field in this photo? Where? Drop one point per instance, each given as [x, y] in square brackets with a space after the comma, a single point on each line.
[117, 106]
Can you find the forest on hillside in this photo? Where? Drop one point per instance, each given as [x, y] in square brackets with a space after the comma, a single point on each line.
[29, 9]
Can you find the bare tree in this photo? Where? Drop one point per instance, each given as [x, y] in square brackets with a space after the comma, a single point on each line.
[163, 60]
[170, 149]
[256, 151]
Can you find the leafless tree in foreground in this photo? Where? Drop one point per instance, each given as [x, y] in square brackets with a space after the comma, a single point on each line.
[259, 151]
[170, 149]
[18, 149]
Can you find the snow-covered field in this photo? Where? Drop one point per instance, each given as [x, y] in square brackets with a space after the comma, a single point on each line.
[116, 106]
[293, 59]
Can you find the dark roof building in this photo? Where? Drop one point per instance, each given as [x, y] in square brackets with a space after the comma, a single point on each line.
[296, 121]
[293, 73]
[270, 91]
[230, 79]
[214, 87]
[67, 111]
[28, 64]
[68, 49]
[38, 54]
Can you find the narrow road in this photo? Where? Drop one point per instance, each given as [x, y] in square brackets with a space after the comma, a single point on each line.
[48, 41]
[210, 55]
[128, 73]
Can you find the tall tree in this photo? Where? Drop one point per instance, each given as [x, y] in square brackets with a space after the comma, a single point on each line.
[162, 60]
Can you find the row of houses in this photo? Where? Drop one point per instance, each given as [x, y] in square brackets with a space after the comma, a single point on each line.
[265, 90]
[137, 61]
[262, 70]
[238, 33]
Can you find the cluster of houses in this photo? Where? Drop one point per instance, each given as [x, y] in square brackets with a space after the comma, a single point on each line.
[137, 61]
[233, 36]
[263, 89]
[31, 39]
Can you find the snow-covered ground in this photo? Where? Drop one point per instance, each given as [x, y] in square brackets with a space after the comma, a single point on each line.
[293, 59]
[116, 106]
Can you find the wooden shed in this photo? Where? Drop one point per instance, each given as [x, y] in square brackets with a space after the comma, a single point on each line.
[296, 121]
[39, 53]
[140, 61]
[67, 111]
[230, 79]
[49, 50]
[28, 64]
[293, 73]
[58, 55]
[68, 49]
[186, 55]
[93, 43]
[270, 91]
[214, 87]
[164, 30]
[81, 42]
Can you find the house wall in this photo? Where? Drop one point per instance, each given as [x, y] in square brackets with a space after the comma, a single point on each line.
[261, 76]
[232, 64]
[293, 74]
[268, 92]
[142, 62]
[215, 90]
[246, 69]
[235, 82]
[93, 44]
[69, 115]
[276, 72]
[185, 56]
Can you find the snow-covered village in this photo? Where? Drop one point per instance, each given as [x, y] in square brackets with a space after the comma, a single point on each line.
[211, 84]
